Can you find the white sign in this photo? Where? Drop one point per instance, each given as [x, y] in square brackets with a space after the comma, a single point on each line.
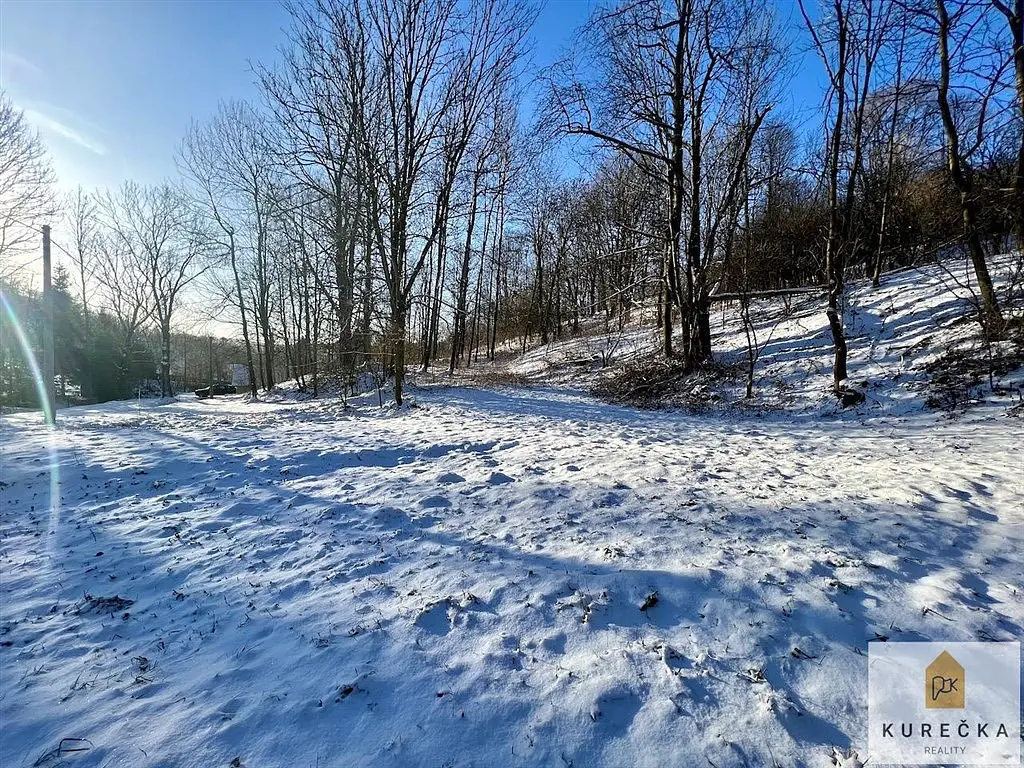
[948, 703]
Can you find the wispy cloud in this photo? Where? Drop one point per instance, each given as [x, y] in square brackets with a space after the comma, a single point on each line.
[15, 68]
[62, 128]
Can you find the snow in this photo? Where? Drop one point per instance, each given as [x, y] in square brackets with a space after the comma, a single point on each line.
[494, 577]
[913, 318]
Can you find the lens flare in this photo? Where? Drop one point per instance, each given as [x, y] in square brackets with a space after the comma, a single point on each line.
[51, 432]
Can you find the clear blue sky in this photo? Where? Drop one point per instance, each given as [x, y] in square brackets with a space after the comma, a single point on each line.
[113, 84]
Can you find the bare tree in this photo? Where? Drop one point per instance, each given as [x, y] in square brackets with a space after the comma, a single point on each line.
[849, 40]
[122, 289]
[82, 226]
[319, 96]
[164, 246]
[429, 62]
[635, 106]
[229, 164]
[946, 26]
[662, 97]
[1013, 11]
[26, 185]
[476, 196]
[303, 248]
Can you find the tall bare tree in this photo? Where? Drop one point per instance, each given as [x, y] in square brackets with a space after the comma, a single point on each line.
[164, 245]
[1013, 11]
[952, 36]
[230, 166]
[319, 95]
[849, 38]
[430, 60]
[26, 185]
[654, 83]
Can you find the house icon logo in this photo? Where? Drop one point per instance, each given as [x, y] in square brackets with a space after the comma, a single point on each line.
[944, 683]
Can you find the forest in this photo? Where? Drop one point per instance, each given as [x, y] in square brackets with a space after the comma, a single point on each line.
[457, 398]
[398, 197]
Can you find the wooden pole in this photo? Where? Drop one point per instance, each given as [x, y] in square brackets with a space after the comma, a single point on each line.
[49, 406]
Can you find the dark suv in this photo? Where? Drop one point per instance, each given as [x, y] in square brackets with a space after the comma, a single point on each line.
[219, 388]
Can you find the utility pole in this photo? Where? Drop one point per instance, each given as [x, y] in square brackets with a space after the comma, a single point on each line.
[211, 361]
[50, 404]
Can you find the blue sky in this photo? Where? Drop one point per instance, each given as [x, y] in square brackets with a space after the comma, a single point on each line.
[113, 84]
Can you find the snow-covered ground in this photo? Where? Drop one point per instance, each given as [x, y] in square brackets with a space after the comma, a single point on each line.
[513, 577]
[895, 332]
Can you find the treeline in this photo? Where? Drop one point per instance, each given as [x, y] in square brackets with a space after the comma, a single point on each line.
[395, 199]
[920, 145]
[96, 357]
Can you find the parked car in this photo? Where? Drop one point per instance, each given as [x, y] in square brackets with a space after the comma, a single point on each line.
[218, 388]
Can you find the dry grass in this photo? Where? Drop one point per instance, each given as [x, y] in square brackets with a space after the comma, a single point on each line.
[962, 374]
[657, 383]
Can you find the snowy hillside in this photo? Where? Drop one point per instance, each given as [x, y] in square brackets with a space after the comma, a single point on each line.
[900, 338]
[516, 577]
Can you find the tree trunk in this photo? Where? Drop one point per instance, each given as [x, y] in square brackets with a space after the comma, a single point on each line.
[462, 295]
[165, 357]
[991, 316]
[696, 304]
[473, 339]
[834, 257]
[365, 329]
[1015, 18]
[289, 359]
[398, 340]
[434, 299]
[245, 323]
[344, 256]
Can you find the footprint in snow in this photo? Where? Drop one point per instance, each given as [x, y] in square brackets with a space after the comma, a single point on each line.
[554, 643]
[617, 708]
[437, 618]
[674, 660]
[499, 478]
[609, 500]
[434, 502]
